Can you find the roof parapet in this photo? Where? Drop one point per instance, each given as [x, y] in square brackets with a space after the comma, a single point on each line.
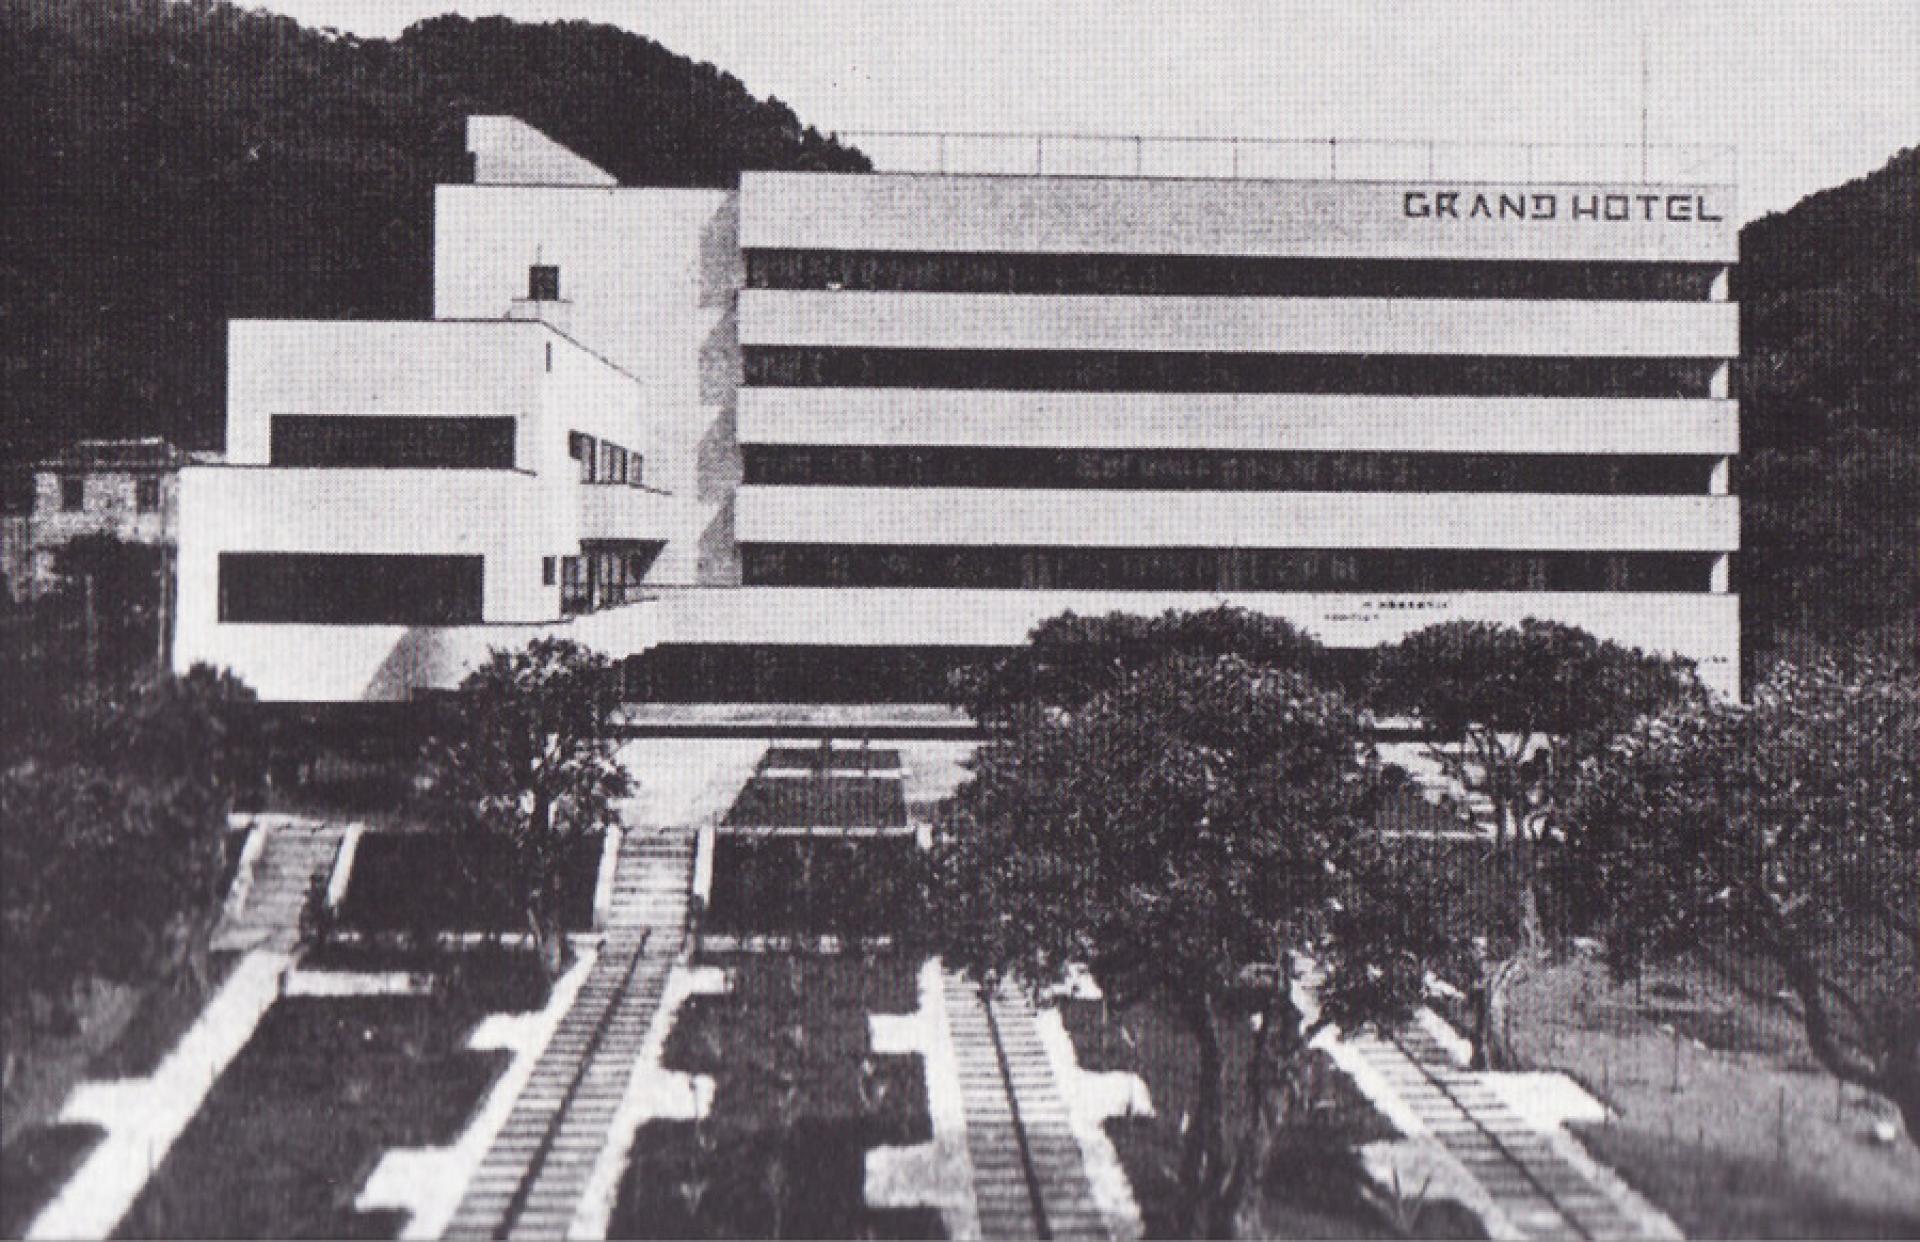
[1290, 159]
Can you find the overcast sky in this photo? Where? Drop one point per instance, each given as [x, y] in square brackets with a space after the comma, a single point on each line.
[1812, 93]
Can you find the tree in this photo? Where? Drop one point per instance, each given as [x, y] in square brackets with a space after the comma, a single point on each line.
[526, 759]
[1198, 835]
[1070, 658]
[1784, 835]
[1509, 713]
[114, 848]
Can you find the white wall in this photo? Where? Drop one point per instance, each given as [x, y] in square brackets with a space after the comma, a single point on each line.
[1301, 422]
[1104, 518]
[508, 151]
[1117, 215]
[650, 278]
[1263, 325]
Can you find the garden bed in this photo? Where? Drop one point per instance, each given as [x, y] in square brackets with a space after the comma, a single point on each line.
[834, 801]
[790, 885]
[287, 1136]
[433, 881]
[34, 1166]
[799, 1099]
[1314, 1184]
[1741, 1137]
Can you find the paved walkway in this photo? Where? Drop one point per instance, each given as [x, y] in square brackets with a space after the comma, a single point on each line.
[1537, 1184]
[532, 1180]
[1029, 1177]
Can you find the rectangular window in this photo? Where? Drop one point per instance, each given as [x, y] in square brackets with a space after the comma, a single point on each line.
[546, 571]
[619, 472]
[333, 440]
[636, 473]
[350, 589]
[146, 495]
[543, 283]
[73, 494]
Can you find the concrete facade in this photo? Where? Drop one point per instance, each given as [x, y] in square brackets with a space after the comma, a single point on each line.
[799, 361]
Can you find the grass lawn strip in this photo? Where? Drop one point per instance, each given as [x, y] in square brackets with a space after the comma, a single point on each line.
[654, 1093]
[142, 1117]
[800, 1096]
[1745, 1137]
[427, 1182]
[938, 1173]
[325, 1086]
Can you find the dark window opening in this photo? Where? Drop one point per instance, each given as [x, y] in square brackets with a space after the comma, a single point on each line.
[1229, 275]
[437, 443]
[350, 589]
[1223, 470]
[604, 576]
[543, 283]
[146, 495]
[1385, 570]
[806, 366]
[73, 494]
[546, 571]
[585, 449]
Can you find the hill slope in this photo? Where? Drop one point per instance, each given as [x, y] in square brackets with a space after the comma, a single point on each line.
[1830, 415]
[172, 166]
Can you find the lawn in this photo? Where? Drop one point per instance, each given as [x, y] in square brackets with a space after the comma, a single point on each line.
[1313, 1186]
[283, 1142]
[810, 802]
[787, 885]
[1739, 1134]
[799, 1098]
[408, 881]
[838, 758]
[34, 1166]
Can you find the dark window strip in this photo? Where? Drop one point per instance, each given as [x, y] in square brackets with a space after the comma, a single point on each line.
[1219, 569]
[350, 589]
[331, 440]
[806, 366]
[1230, 275]
[1223, 470]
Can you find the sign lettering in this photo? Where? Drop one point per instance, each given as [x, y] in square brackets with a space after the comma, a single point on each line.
[1439, 204]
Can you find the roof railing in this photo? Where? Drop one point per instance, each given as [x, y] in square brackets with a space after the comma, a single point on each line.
[1291, 159]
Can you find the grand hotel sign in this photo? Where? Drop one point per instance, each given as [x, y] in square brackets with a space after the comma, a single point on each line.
[1600, 207]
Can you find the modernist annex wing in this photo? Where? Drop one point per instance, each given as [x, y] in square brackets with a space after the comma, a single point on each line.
[824, 436]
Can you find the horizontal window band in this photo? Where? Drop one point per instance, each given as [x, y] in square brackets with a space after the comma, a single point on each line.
[808, 366]
[1224, 470]
[414, 442]
[1230, 275]
[318, 588]
[1381, 570]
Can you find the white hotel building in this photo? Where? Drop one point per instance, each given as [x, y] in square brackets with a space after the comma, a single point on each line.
[821, 436]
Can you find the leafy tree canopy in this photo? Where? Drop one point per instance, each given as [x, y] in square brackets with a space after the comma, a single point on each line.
[526, 756]
[1784, 834]
[1069, 659]
[1197, 834]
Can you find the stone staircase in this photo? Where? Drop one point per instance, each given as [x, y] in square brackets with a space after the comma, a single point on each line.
[1029, 1175]
[530, 1183]
[267, 914]
[1529, 1180]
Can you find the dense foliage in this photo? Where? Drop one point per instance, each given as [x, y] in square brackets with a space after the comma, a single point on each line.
[1069, 659]
[1197, 834]
[113, 842]
[524, 766]
[1787, 833]
[1829, 387]
[170, 166]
